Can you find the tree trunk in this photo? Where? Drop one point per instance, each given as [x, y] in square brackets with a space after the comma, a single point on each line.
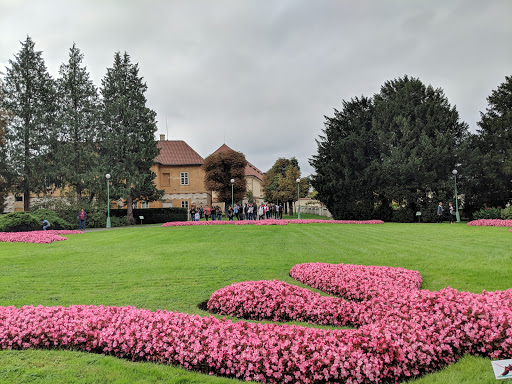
[290, 203]
[26, 201]
[129, 210]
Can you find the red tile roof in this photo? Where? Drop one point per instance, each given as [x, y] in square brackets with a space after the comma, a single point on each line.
[177, 152]
[250, 170]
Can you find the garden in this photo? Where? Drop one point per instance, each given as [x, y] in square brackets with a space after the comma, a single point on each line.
[417, 303]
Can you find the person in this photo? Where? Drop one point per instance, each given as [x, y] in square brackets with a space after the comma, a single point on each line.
[197, 215]
[440, 212]
[452, 212]
[45, 224]
[230, 213]
[261, 212]
[235, 211]
[81, 219]
[193, 213]
[218, 211]
[207, 212]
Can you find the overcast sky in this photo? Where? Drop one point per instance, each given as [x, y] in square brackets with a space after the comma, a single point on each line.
[260, 75]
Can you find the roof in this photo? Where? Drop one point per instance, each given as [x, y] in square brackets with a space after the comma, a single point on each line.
[177, 152]
[250, 170]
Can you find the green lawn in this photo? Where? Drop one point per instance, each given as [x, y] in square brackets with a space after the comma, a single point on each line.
[178, 268]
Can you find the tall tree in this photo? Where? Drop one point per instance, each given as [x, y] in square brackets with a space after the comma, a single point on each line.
[419, 137]
[128, 146]
[30, 97]
[4, 171]
[79, 119]
[280, 182]
[492, 150]
[346, 166]
[220, 168]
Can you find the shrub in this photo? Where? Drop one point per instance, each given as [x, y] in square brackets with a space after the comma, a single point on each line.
[506, 214]
[19, 222]
[56, 222]
[403, 215]
[488, 213]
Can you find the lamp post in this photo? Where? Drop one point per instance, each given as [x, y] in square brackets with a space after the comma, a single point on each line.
[456, 200]
[108, 200]
[298, 197]
[232, 183]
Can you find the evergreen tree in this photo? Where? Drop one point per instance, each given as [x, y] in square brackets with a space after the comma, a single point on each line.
[128, 146]
[79, 119]
[419, 136]
[30, 97]
[347, 162]
[4, 171]
[220, 168]
[491, 160]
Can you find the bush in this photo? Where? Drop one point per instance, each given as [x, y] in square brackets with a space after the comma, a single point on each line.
[56, 221]
[19, 222]
[154, 215]
[488, 213]
[506, 214]
[403, 215]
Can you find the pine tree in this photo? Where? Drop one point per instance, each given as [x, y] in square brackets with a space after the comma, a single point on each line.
[128, 146]
[30, 98]
[79, 119]
[4, 171]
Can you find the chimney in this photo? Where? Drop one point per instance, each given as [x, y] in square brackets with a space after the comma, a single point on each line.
[162, 137]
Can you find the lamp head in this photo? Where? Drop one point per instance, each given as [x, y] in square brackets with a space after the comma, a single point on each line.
[107, 176]
[298, 180]
[232, 181]
[454, 172]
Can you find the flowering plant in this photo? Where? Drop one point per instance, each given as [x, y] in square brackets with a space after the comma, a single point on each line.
[491, 223]
[38, 237]
[268, 222]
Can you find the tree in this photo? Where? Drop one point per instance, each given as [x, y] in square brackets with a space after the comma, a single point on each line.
[346, 166]
[419, 136]
[79, 119]
[30, 97]
[220, 168]
[4, 172]
[128, 147]
[280, 182]
[491, 150]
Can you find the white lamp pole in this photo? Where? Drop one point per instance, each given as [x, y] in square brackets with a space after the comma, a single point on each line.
[457, 216]
[232, 183]
[298, 197]
[108, 200]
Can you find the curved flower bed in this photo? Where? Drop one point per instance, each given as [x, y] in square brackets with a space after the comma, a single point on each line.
[403, 331]
[491, 223]
[268, 222]
[38, 237]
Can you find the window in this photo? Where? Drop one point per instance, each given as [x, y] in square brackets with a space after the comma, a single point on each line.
[144, 204]
[19, 198]
[184, 178]
[184, 204]
[166, 179]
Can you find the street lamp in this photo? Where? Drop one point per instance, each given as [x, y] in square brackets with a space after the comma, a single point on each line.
[232, 183]
[108, 200]
[298, 197]
[456, 201]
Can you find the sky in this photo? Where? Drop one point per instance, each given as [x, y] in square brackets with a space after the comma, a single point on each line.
[261, 75]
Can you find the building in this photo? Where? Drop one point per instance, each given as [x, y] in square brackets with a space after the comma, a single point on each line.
[179, 174]
[253, 176]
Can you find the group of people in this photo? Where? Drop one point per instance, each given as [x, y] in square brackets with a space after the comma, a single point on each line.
[248, 211]
[451, 212]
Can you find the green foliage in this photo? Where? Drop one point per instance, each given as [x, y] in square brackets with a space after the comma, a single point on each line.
[220, 168]
[506, 214]
[55, 220]
[19, 222]
[154, 215]
[79, 119]
[488, 213]
[127, 140]
[29, 94]
[403, 215]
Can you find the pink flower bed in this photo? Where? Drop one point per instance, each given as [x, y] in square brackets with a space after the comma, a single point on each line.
[268, 222]
[39, 237]
[403, 331]
[491, 223]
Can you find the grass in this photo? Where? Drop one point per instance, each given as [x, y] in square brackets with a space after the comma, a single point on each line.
[176, 268]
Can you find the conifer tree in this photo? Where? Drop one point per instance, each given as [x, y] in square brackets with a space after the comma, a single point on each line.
[79, 120]
[128, 146]
[30, 98]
